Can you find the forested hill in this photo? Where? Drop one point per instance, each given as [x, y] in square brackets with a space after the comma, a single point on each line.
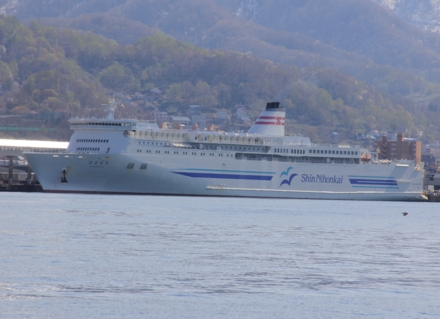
[358, 37]
[44, 71]
[357, 26]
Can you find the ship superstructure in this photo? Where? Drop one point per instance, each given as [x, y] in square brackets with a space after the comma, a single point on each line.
[137, 157]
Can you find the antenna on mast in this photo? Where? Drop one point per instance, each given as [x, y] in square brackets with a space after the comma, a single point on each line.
[111, 108]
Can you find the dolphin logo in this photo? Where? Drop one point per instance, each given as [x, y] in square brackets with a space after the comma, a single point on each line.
[286, 172]
[289, 180]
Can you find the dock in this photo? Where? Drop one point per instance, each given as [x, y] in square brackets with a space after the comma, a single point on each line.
[433, 197]
[25, 188]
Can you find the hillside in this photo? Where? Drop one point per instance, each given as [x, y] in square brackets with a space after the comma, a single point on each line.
[122, 30]
[357, 26]
[49, 71]
[207, 24]
[422, 13]
[38, 82]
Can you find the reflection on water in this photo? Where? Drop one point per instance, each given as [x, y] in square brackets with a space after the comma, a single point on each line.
[166, 257]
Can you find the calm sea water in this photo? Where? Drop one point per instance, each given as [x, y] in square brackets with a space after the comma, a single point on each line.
[92, 256]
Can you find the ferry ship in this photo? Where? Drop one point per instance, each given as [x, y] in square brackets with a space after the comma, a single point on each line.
[117, 156]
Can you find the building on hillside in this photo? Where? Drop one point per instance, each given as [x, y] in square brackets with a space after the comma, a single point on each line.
[432, 148]
[156, 93]
[161, 117]
[124, 98]
[149, 108]
[374, 133]
[200, 120]
[430, 162]
[138, 97]
[242, 116]
[400, 149]
[119, 95]
[180, 120]
[244, 119]
[222, 116]
[194, 109]
[148, 98]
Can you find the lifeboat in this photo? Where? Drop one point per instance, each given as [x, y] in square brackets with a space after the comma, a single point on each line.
[366, 158]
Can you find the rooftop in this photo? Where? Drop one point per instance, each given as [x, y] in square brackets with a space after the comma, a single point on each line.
[32, 143]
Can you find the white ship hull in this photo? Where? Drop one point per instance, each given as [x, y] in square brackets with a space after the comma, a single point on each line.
[111, 156]
[224, 176]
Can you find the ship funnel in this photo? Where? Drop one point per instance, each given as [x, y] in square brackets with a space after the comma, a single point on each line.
[271, 121]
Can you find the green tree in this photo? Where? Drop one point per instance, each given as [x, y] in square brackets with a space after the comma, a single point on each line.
[173, 93]
[117, 77]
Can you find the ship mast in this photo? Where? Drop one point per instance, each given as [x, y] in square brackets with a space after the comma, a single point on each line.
[111, 108]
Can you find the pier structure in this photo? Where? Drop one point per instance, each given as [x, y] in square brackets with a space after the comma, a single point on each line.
[12, 149]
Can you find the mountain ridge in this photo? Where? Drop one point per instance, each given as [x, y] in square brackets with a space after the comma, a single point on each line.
[53, 69]
[214, 28]
[315, 96]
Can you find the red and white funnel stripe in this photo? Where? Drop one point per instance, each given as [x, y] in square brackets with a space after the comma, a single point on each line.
[271, 121]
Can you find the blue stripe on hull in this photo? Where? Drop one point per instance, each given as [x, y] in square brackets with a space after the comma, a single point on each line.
[391, 187]
[370, 177]
[225, 171]
[226, 176]
[373, 182]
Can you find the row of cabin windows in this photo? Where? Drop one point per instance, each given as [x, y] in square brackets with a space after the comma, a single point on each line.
[30, 149]
[244, 148]
[230, 155]
[286, 151]
[220, 138]
[91, 141]
[223, 147]
[333, 152]
[152, 143]
[105, 124]
[177, 153]
[88, 149]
